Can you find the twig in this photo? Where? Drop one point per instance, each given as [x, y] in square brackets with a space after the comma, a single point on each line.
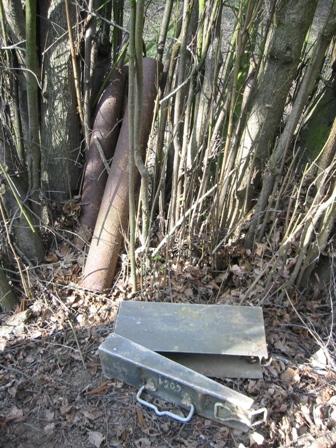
[132, 136]
[87, 82]
[77, 343]
[102, 155]
[181, 220]
[74, 65]
[16, 196]
[109, 22]
[13, 369]
[10, 244]
[314, 335]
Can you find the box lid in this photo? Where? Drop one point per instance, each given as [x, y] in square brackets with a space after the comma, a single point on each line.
[190, 328]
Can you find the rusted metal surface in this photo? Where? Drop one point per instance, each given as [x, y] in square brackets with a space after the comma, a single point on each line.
[216, 340]
[159, 376]
[104, 136]
[112, 220]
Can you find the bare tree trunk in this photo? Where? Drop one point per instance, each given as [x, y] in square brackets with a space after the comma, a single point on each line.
[273, 169]
[118, 16]
[291, 23]
[322, 223]
[102, 45]
[15, 19]
[32, 80]
[15, 26]
[60, 127]
[328, 152]
[26, 234]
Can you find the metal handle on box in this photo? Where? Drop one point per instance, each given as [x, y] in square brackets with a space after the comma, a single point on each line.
[166, 413]
[262, 412]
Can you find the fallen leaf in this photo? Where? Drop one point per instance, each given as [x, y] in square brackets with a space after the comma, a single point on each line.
[143, 443]
[259, 249]
[19, 318]
[319, 360]
[65, 409]
[14, 415]
[140, 416]
[290, 376]
[256, 439]
[49, 428]
[100, 390]
[237, 270]
[3, 343]
[91, 415]
[49, 415]
[306, 414]
[96, 438]
[51, 257]
[318, 415]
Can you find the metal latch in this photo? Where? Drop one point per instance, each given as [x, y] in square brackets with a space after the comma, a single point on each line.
[161, 377]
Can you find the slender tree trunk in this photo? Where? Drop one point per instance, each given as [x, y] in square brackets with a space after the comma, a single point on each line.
[130, 157]
[33, 77]
[329, 150]
[118, 16]
[60, 127]
[101, 59]
[26, 235]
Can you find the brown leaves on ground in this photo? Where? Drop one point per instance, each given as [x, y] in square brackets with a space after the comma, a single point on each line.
[63, 402]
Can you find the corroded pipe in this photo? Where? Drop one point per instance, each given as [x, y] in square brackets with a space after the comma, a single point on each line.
[112, 221]
[102, 145]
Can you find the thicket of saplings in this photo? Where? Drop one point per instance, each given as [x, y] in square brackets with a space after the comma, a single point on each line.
[179, 125]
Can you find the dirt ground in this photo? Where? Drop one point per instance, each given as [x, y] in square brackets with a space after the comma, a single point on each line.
[53, 393]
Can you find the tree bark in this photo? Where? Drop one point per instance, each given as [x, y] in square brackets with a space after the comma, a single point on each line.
[32, 78]
[14, 191]
[311, 251]
[15, 27]
[273, 168]
[102, 47]
[316, 129]
[60, 127]
[283, 49]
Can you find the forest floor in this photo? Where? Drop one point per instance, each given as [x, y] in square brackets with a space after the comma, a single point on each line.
[53, 393]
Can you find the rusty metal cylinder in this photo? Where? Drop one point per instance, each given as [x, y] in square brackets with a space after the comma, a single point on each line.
[112, 220]
[102, 145]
